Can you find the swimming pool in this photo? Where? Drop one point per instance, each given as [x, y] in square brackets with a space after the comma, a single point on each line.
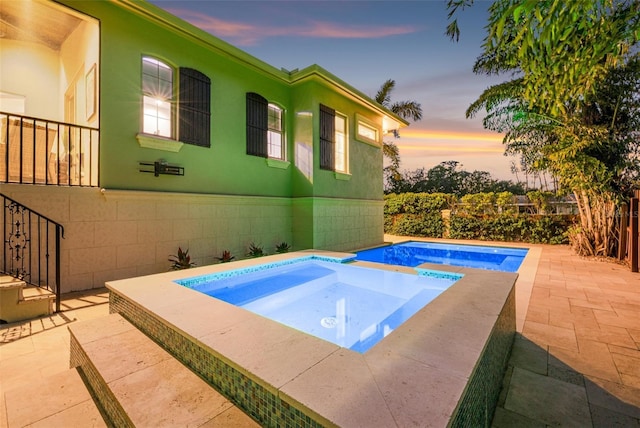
[353, 307]
[457, 347]
[415, 253]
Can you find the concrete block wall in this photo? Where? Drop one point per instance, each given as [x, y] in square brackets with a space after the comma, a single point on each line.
[338, 224]
[346, 224]
[115, 234]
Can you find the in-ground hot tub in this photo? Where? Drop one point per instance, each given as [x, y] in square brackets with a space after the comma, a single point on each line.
[443, 366]
[351, 306]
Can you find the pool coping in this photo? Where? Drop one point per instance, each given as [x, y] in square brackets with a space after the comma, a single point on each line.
[419, 373]
[526, 272]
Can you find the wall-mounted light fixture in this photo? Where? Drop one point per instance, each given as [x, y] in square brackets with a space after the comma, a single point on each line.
[161, 167]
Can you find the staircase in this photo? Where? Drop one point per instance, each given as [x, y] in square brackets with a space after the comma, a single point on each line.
[20, 302]
[29, 263]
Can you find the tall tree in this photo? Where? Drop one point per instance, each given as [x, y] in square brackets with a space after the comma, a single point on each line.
[571, 107]
[406, 110]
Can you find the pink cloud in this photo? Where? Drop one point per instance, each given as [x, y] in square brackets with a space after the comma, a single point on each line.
[250, 34]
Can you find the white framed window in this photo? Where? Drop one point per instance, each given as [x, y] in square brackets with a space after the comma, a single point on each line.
[341, 143]
[158, 98]
[367, 133]
[275, 132]
[334, 141]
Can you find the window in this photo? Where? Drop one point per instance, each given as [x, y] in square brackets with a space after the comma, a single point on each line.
[367, 133]
[264, 128]
[159, 98]
[334, 141]
[275, 132]
[341, 143]
[157, 90]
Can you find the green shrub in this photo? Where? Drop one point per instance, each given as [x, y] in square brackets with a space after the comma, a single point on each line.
[426, 225]
[512, 228]
[417, 203]
[481, 216]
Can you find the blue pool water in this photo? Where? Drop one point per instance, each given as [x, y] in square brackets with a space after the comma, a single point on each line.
[475, 256]
[351, 306]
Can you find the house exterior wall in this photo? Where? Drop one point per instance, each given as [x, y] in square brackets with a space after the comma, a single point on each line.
[226, 198]
[337, 224]
[365, 160]
[224, 168]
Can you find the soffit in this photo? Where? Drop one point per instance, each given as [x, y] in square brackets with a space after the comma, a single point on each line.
[36, 22]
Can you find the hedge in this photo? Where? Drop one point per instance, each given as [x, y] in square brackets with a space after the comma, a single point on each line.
[484, 216]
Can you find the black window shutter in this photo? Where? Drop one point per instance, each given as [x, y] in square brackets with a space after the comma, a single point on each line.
[194, 108]
[257, 124]
[327, 137]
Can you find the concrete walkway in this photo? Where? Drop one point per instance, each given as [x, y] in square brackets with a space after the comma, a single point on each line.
[575, 363]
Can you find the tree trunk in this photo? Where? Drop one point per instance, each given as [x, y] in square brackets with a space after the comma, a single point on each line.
[597, 234]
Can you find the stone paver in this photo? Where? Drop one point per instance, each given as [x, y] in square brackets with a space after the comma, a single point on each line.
[575, 363]
[547, 400]
[580, 345]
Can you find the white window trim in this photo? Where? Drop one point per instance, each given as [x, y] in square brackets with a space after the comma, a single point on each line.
[370, 124]
[158, 143]
[283, 148]
[278, 163]
[346, 145]
[171, 101]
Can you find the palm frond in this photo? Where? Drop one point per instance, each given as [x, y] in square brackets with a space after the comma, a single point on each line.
[383, 96]
[407, 110]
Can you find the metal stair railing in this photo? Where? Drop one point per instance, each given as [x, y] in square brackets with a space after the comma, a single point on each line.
[29, 241]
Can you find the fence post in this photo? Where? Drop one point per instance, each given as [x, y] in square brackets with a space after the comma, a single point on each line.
[633, 232]
[624, 222]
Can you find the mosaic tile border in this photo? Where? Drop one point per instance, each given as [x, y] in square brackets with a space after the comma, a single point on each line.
[439, 274]
[194, 281]
[480, 398]
[263, 404]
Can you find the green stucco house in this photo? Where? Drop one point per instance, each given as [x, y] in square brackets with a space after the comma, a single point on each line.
[139, 133]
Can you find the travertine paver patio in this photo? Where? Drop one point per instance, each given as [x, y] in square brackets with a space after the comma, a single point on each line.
[577, 360]
[575, 363]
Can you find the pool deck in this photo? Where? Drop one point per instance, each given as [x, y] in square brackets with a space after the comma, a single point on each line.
[575, 362]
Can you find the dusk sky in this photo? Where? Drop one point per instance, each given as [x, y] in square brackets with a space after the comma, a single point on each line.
[365, 43]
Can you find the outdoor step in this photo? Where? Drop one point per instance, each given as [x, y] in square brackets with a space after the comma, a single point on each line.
[7, 281]
[37, 293]
[19, 302]
[61, 400]
[140, 384]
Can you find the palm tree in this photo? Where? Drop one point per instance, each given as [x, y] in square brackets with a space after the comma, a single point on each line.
[406, 110]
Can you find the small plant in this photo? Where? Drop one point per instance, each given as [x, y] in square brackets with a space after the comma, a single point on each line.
[181, 261]
[283, 247]
[226, 257]
[255, 250]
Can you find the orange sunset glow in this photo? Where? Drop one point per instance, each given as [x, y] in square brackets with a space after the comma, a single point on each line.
[475, 150]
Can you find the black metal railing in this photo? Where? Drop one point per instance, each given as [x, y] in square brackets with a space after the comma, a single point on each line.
[31, 248]
[40, 151]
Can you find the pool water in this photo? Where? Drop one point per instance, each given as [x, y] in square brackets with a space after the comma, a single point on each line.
[475, 256]
[351, 306]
